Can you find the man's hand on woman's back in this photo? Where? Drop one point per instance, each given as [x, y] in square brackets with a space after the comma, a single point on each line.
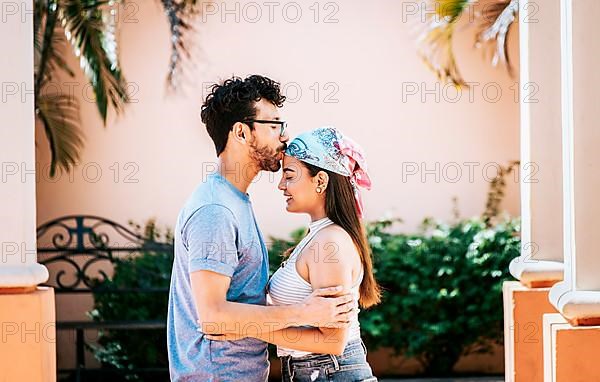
[328, 307]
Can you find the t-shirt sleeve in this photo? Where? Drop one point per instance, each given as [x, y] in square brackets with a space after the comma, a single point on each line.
[210, 237]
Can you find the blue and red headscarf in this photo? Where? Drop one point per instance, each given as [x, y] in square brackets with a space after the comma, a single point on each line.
[327, 148]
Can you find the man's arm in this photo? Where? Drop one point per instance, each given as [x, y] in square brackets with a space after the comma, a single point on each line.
[209, 236]
[333, 267]
[310, 339]
[217, 315]
[313, 340]
[331, 264]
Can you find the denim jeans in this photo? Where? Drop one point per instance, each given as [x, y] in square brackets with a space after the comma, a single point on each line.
[348, 367]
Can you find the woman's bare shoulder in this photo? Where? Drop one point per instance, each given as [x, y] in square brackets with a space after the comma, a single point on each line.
[335, 233]
[336, 238]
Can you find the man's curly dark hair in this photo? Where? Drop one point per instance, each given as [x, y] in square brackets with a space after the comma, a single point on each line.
[233, 101]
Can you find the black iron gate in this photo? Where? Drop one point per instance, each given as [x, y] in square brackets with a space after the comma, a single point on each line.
[77, 250]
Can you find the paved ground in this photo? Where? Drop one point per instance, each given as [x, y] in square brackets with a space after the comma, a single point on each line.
[498, 378]
[471, 379]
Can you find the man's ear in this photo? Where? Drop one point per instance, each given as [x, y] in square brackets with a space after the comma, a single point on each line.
[240, 132]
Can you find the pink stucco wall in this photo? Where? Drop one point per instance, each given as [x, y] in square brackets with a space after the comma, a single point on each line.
[415, 133]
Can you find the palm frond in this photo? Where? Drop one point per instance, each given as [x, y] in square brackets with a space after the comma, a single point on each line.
[90, 28]
[84, 23]
[449, 10]
[39, 10]
[180, 14]
[59, 114]
[55, 61]
[48, 44]
[435, 41]
[496, 20]
[43, 41]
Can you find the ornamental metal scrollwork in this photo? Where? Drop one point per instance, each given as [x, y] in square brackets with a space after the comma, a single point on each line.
[78, 242]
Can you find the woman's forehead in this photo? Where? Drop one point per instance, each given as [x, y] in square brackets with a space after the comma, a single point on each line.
[288, 159]
[291, 163]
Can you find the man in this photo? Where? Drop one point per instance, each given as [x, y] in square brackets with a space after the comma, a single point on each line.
[220, 270]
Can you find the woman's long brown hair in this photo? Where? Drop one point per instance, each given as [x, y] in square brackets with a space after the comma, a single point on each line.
[340, 207]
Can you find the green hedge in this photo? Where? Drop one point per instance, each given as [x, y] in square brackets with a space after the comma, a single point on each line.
[442, 293]
[442, 288]
[125, 350]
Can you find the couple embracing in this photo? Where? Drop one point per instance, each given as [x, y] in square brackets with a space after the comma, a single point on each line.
[223, 308]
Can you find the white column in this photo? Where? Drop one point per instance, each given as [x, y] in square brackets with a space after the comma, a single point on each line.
[540, 262]
[18, 265]
[577, 298]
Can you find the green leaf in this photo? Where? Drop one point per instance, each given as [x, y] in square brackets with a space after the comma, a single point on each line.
[435, 41]
[95, 46]
[59, 114]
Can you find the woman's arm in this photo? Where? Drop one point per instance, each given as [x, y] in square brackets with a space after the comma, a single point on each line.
[314, 340]
[329, 259]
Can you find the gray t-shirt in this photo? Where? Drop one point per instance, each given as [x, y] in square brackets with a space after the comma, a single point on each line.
[216, 230]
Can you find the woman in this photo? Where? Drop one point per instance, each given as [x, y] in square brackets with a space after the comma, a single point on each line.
[322, 171]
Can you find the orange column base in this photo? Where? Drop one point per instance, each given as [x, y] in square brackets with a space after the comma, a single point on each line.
[28, 336]
[570, 352]
[523, 319]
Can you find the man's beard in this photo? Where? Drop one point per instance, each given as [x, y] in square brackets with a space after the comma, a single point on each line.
[266, 158]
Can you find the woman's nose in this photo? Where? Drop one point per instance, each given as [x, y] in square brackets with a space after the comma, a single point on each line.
[281, 185]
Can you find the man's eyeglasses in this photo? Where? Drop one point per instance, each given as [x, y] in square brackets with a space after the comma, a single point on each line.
[282, 124]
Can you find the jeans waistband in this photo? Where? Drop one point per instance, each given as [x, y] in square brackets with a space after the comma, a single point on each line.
[353, 347]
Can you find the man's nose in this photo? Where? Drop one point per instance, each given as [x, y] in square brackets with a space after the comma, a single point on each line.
[284, 138]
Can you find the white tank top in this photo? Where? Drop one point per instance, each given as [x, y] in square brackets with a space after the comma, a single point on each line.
[286, 286]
